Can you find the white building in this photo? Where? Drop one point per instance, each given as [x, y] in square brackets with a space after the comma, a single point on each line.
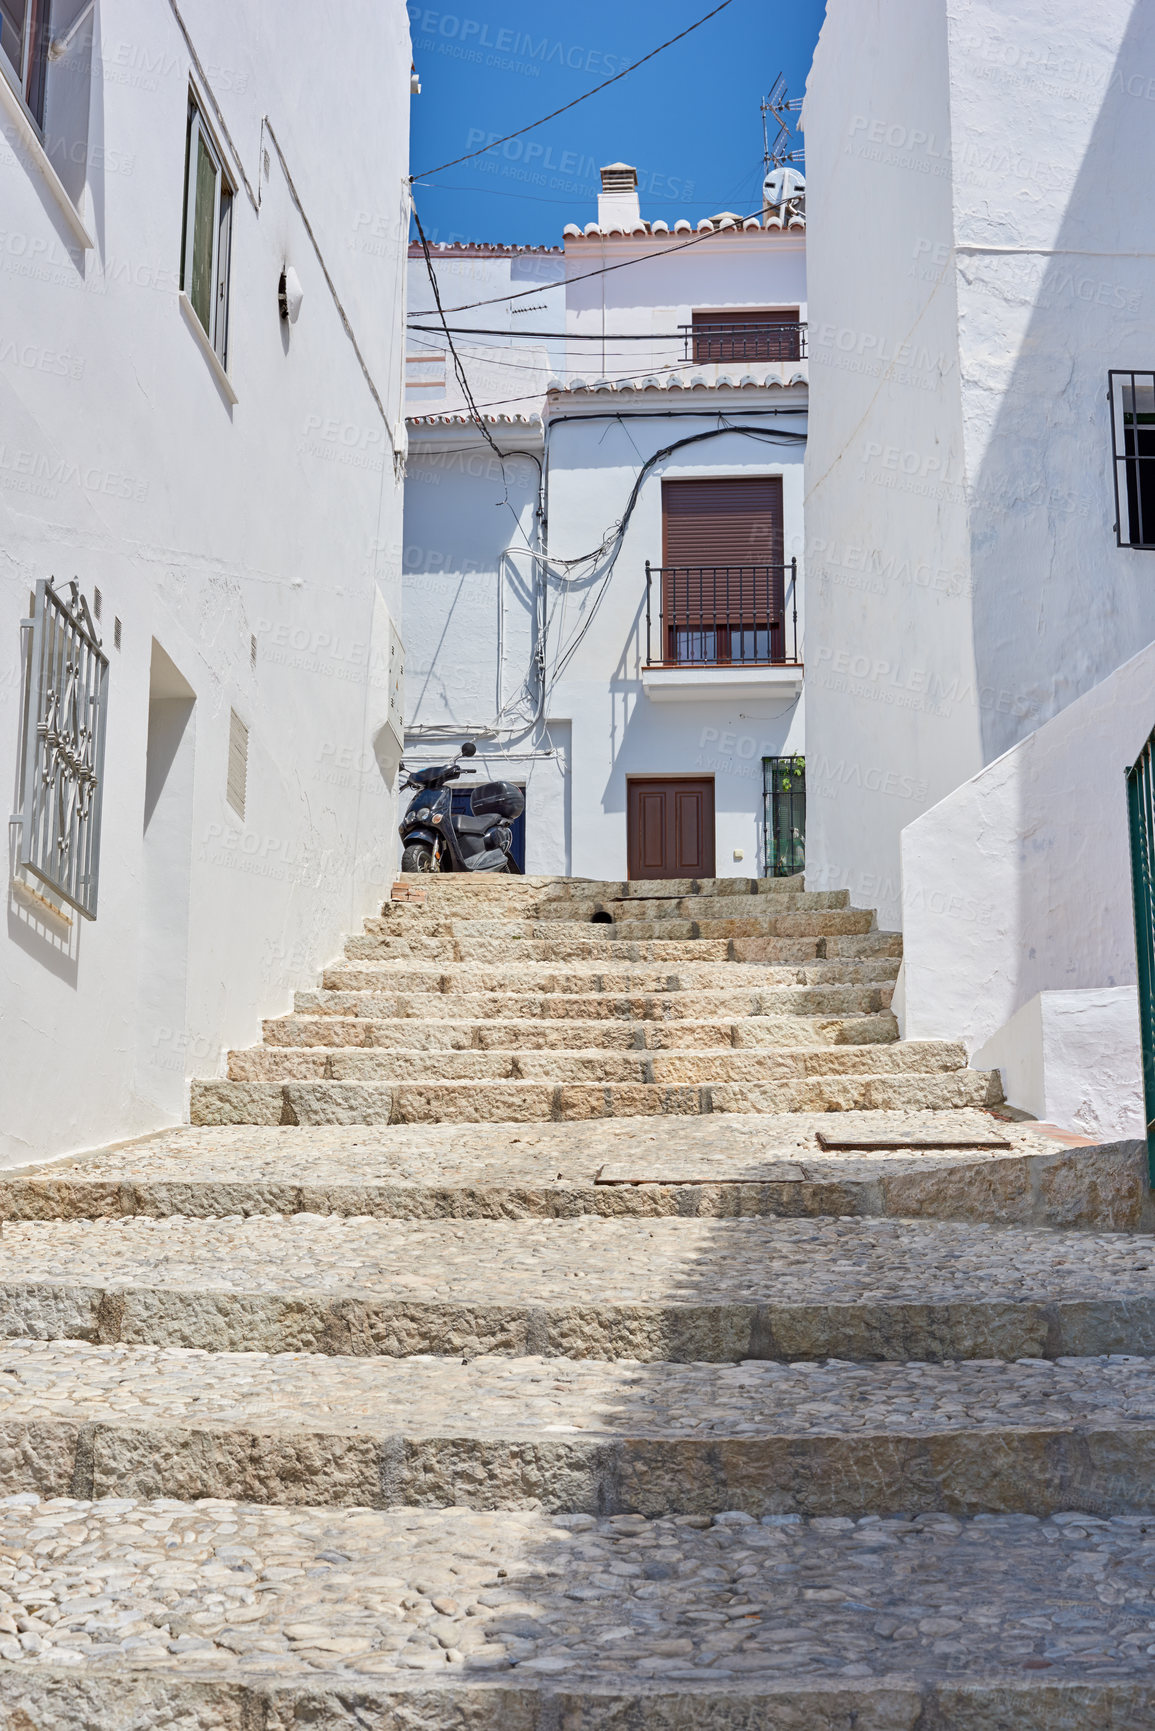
[201, 422]
[980, 608]
[636, 710]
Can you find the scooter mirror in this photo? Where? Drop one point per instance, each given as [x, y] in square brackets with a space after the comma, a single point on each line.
[469, 749]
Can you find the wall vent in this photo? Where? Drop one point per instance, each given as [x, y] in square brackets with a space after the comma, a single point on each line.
[97, 600]
[238, 763]
[116, 634]
[619, 177]
[252, 652]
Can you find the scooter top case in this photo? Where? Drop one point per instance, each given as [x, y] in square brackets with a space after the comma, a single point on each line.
[497, 799]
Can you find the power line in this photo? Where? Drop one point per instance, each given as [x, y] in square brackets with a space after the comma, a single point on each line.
[534, 124]
[459, 369]
[569, 336]
[605, 269]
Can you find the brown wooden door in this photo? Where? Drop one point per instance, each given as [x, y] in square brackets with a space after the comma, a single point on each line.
[670, 827]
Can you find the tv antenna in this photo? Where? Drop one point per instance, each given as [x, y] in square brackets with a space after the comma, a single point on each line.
[776, 105]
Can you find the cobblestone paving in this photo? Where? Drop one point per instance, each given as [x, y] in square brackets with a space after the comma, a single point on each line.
[219, 1587]
[604, 1261]
[530, 1396]
[349, 1417]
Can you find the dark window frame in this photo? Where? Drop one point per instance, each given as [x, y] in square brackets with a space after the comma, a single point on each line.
[1132, 466]
[784, 808]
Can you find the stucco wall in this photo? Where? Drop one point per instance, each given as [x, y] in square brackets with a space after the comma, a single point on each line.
[964, 580]
[206, 525]
[600, 630]
[1019, 881]
[507, 363]
[891, 716]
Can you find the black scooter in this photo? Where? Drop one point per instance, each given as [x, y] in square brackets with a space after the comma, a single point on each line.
[438, 839]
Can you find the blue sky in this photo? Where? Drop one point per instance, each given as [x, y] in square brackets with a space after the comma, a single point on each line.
[688, 121]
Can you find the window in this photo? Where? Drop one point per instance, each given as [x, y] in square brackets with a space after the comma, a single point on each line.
[784, 815]
[208, 213]
[24, 31]
[724, 580]
[1133, 450]
[747, 335]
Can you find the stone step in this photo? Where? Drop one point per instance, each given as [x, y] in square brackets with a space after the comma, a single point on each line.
[430, 1101]
[218, 1615]
[725, 918]
[281, 1063]
[658, 1289]
[601, 977]
[698, 1004]
[578, 1435]
[586, 946]
[508, 890]
[705, 1167]
[783, 951]
[567, 1034]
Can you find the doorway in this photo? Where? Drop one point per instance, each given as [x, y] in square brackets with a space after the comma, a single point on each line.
[670, 826]
[166, 888]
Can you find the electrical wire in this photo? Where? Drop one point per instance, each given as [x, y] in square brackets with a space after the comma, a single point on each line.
[623, 264]
[586, 336]
[534, 124]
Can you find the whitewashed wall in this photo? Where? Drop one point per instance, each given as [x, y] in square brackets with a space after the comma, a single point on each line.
[617, 729]
[510, 348]
[1018, 883]
[205, 524]
[980, 167]
[669, 277]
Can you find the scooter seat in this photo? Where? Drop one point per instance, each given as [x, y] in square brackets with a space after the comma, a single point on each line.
[466, 825]
[492, 860]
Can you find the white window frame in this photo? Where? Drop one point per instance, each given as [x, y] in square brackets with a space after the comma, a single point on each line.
[198, 132]
[17, 77]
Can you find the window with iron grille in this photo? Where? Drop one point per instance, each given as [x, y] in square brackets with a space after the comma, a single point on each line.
[62, 770]
[207, 236]
[1133, 450]
[747, 334]
[723, 577]
[784, 815]
[24, 36]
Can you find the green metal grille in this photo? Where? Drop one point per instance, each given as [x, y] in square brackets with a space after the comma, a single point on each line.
[1141, 817]
[784, 815]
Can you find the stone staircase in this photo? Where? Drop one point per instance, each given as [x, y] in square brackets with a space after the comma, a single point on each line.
[574, 1421]
[521, 999]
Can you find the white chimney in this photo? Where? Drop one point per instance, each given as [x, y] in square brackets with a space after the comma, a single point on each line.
[618, 205]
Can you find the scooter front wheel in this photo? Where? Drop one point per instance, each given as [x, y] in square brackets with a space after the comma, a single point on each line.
[418, 858]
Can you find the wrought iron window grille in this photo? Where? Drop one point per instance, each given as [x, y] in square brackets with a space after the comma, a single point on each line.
[744, 340]
[722, 615]
[1132, 399]
[62, 765]
[784, 815]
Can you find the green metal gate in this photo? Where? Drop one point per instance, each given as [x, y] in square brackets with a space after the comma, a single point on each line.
[784, 815]
[1141, 816]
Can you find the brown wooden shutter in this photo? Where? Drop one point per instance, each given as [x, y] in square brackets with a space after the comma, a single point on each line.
[722, 551]
[746, 334]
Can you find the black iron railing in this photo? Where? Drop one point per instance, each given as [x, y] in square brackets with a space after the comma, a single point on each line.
[744, 340]
[1141, 815]
[722, 615]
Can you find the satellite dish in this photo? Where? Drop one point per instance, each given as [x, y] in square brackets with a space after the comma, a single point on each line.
[782, 184]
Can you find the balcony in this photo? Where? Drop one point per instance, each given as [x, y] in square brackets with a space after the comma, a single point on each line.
[743, 340]
[714, 630]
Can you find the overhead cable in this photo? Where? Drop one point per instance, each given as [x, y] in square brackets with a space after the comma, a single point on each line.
[534, 124]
